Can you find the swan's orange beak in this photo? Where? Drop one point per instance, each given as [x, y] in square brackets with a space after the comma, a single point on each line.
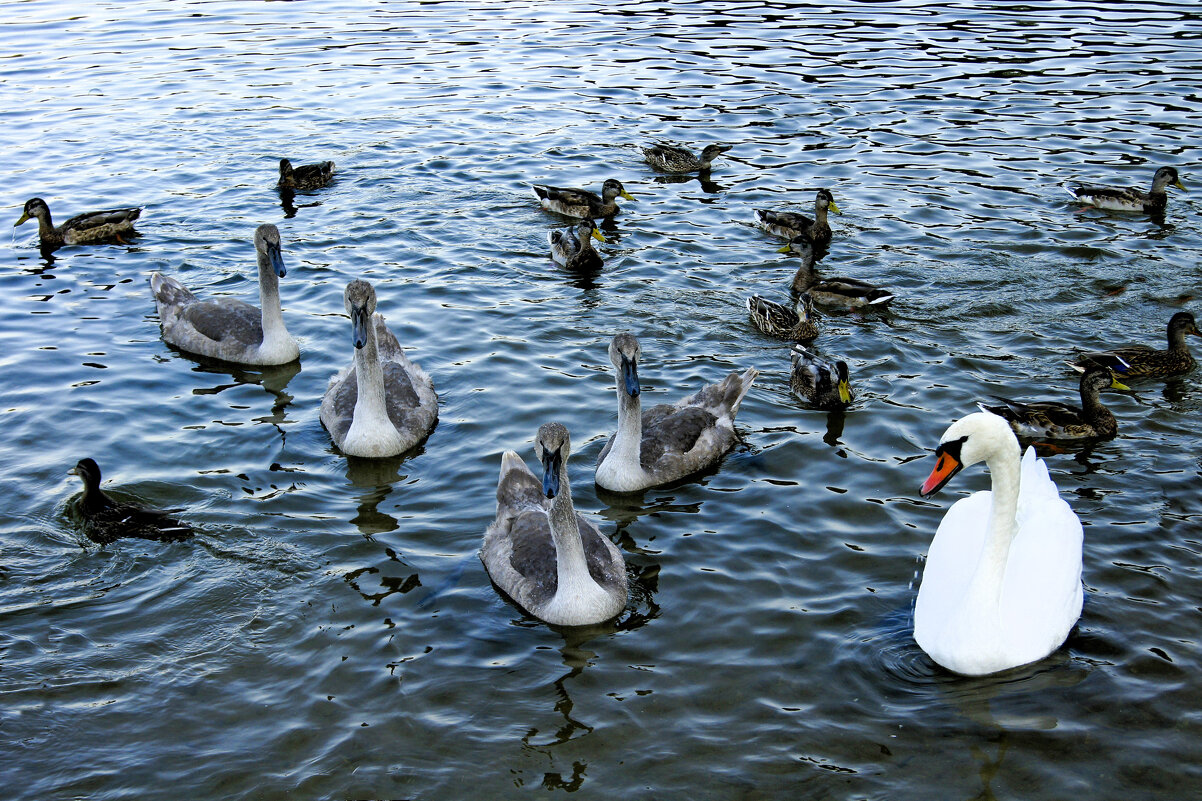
[946, 466]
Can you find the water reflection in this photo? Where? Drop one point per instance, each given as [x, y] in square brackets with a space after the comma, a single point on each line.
[576, 657]
[287, 203]
[273, 379]
[376, 477]
[390, 585]
[585, 278]
[834, 427]
[703, 178]
[623, 508]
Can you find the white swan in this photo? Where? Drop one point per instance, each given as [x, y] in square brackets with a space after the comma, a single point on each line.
[666, 442]
[226, 328]
[1002, 583]
[381, 404]
[555, 564]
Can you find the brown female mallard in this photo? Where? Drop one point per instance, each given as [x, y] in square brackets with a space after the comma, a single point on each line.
[1055, 420]
[1117, 198]
[573, 247]
[838, 291]
[306, 176]
[1142, 361]
[670, 158]
[778, 320]
[789, 224]
[93, 228]
[581, 202]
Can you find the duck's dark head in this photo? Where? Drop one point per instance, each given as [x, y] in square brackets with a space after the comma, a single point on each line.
[613, 188]
[88, 472]
[34, 208]
[825, 200]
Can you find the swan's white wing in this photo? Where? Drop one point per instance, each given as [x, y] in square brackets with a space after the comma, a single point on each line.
[951, 562]
[1042, 592]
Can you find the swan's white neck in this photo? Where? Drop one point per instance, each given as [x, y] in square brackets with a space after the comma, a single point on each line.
[372, 432]
[278, 345]
[985, 589]
[622, 470]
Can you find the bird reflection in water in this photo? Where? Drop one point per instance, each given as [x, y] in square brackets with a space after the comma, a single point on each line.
[707, 186]
[376, 478]
[273, 379]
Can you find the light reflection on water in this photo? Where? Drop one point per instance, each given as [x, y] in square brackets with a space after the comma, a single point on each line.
[331, 633]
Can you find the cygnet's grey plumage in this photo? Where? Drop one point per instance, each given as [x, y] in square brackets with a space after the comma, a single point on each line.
[551, 561]
[669, 441]
[225, 328]
[381, 404]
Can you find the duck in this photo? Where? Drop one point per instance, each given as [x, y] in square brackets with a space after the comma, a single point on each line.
[1002, 582]
[841, 291]
[1115, 198]
[777, 320]
[397, 406]
[573, 247]
[790, 224]
[581, 202]
[1142, 361]
[91, 228]
[1055, 420]
[106, 520]
[670, 158]
[550, 560]
[825, 384]
[226, 328]
[669, 441]
[306, 176]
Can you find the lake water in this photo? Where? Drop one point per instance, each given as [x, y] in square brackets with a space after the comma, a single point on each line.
[330, 632]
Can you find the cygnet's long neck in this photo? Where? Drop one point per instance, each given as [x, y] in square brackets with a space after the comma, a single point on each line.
[571, 567]
[628, 441]
[274, 331]
[1005, 472]
[371, 408]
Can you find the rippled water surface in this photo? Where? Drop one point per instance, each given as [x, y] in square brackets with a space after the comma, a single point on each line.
[330, 632]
